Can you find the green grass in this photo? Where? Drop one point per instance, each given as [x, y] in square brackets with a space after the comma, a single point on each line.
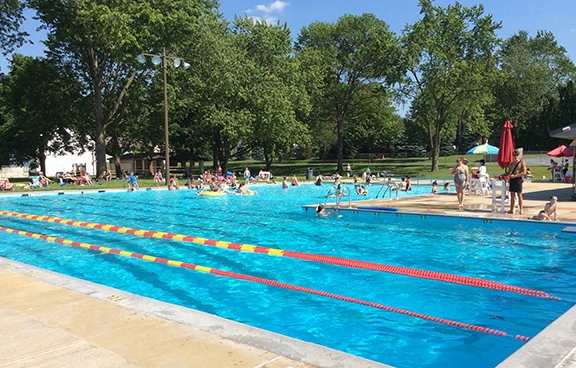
[399, 167]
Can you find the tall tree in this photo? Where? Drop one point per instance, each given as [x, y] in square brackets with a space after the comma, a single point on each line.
[277, 93]
[41, 100]
[214, 115]
[355, 52]
[99, 41]
[451, 65]
[530, 72]
[11, 18]
[377, 125]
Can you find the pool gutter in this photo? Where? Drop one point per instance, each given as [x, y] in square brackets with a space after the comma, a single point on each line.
[554, 346]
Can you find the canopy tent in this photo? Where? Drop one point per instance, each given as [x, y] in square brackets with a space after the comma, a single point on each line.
[568, 132]
[483, 149]
[561, 151]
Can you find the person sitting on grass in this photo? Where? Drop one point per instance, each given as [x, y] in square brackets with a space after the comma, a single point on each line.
[6, 185]
[43, 179]
[174, 183]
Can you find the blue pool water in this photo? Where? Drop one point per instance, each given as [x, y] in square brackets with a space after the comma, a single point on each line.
[531, 255]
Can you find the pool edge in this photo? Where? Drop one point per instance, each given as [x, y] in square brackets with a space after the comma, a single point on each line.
[298, 350]
[554, 346]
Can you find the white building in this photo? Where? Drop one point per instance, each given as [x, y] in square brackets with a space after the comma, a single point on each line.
[69, 162]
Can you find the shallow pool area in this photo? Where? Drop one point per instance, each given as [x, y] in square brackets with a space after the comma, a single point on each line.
[534, 256]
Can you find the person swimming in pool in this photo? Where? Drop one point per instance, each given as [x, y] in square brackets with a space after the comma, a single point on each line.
[243, 190]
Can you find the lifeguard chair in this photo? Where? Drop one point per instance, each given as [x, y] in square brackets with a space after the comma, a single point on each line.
[264, 176]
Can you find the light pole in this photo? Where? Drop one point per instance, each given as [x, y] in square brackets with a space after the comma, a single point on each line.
[161, 60]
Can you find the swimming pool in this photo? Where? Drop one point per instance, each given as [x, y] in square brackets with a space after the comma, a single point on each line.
[522, 254]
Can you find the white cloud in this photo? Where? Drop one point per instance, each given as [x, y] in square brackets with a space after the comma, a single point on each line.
[272, 7]
[267, 19]
[276, 6]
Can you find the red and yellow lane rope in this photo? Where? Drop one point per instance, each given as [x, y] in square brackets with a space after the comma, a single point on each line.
[339, 261]
[261, 280]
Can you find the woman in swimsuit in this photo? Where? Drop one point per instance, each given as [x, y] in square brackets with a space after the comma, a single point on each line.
[294, 181]
[461, 180]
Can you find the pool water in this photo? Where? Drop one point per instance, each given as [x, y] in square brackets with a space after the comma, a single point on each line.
[536, 256]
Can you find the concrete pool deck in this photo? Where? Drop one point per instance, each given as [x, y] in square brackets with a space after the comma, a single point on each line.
[50, 320]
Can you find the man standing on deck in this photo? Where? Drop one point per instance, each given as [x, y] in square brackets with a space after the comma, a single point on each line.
[516, 172]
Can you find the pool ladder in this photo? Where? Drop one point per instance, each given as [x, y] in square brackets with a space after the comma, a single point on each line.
[390, 187]
[333, 193]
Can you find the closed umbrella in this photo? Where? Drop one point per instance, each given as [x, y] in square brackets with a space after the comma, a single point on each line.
[483, 149]
[561, 151]
[505, 156]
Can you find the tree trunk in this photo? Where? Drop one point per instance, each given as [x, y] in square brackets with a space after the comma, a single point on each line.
[215, 154]
[117, 165]
[42, 158]
[435, 146]
[267, 159]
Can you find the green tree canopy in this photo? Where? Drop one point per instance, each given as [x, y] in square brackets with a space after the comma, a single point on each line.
[355, 52]
[100, 40]
[450, 58]
[11, 18]
[530, 73]
[40, 99]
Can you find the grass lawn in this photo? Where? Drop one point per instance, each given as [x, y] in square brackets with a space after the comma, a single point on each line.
[398, 167]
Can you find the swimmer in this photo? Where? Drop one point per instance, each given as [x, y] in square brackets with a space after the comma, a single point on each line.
[320, 210]
[361, 190]
[243, 190]
[434, 187]
[295, 181]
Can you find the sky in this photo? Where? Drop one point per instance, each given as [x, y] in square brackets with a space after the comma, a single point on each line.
[556, 16]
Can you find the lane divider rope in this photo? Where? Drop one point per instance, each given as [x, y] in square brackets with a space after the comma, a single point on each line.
[261, 280]
[339, 261]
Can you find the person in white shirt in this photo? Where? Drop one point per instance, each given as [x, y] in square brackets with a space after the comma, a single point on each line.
[482, 170]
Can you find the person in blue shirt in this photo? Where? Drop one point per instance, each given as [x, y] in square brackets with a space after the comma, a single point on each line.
[133, 180]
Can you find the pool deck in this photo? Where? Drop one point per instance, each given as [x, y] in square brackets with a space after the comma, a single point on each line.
[51, 320]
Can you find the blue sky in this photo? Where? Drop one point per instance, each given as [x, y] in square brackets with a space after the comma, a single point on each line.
[557, 16]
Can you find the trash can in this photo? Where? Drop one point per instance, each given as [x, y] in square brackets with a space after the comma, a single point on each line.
[309, 174]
